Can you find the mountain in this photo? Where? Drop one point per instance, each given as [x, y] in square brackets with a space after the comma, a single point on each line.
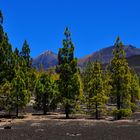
[134, 62]
[47, 59]
[105, 55]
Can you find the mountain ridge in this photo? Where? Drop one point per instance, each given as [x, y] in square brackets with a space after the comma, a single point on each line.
[105, 55]
[50, 59]
[47, 59]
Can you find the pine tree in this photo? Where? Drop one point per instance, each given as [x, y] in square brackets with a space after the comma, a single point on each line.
[5, 54]
[1, 28]
[96, 94]
[69, 84]
[31, 77]
[1, 17]
[134, 90]
[13, 73]
[20, 95]
[46, 92]
[87, 76]
[25, 64]
[120, 75]
[5, 96]
[16, 52]
[26, 53]
[107, 81]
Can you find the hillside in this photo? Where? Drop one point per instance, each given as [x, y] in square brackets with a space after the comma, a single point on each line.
[47, 59]
[134, 62]
[105, 55]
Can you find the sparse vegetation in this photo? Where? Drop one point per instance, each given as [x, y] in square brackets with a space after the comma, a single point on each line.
[93, 90]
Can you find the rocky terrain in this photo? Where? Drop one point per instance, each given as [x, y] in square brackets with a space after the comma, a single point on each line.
[55, 127]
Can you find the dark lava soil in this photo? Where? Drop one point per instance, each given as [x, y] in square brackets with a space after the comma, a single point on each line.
[60, 129]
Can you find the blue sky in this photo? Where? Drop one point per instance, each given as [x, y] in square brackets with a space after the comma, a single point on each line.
[94, 24]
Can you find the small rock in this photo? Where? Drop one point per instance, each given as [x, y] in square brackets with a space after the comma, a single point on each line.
[78, 134]
[72, 135]
[39, 130]
[22, 135]
[7, 127]
[35, 124]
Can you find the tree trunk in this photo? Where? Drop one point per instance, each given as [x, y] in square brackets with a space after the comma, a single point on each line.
[118, 106]
[132, 101]
[9, 113]
[44, 105]
[17, 107]
[97, 113]
[67, 110]
[118, 101]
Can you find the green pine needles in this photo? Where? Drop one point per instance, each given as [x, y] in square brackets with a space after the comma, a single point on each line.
[69, 82]
[96, 97]
[95, 90]
[122, 86]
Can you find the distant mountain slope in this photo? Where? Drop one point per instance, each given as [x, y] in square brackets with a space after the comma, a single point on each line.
[47, 59]
[105, 55]
[134, 62]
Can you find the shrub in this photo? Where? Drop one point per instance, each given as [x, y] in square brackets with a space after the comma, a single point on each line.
[122, 113]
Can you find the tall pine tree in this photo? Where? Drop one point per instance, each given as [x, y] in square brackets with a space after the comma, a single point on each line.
[26, 53]
[5, 54]
[134, 90]
[69, 83]
[46, 92]
[20, 95]
[120, 74]
[87, 76]
[94, 84]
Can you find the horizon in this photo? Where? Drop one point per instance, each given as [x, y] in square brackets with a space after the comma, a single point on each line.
[125, 45]
[94, 24]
